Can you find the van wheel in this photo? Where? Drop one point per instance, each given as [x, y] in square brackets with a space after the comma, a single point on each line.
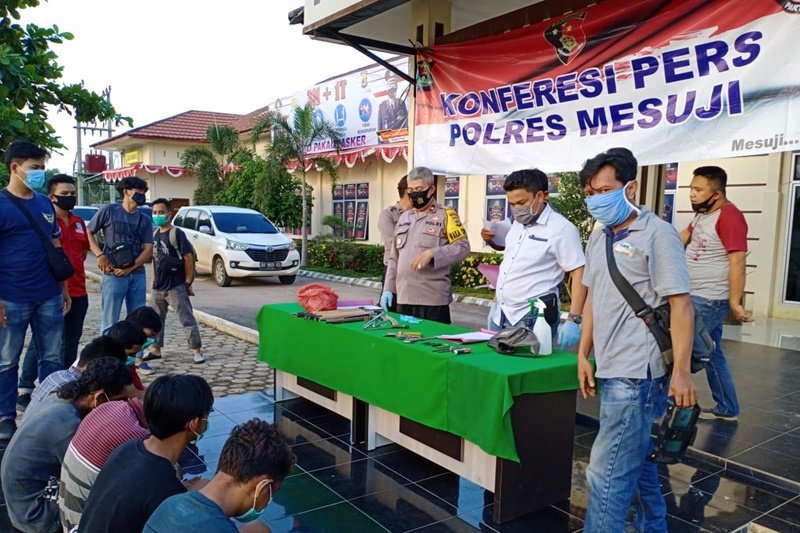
[287, 280]
[220, 276]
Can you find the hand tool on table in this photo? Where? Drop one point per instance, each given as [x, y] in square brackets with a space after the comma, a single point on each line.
[402, 335]
[454, 349]
[417, 339]
[384, 321]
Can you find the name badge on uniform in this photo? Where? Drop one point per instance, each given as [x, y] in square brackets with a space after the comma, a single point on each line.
[624, 248]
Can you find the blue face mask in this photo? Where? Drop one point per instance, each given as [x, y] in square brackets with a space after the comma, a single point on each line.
[611, 208]
[34, 179]
[252, 514]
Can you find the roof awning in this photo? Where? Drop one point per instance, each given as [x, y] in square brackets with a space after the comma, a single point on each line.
[349, 158]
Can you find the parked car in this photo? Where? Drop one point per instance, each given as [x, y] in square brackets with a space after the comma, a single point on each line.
[231, 242]
[86, 212]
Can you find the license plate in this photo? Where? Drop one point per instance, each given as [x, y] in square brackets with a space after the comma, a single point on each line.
[270, 266]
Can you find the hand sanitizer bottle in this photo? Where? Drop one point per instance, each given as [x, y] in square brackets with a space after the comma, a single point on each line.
[542, 329]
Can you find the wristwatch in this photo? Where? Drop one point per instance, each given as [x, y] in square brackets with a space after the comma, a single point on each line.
[575, 318]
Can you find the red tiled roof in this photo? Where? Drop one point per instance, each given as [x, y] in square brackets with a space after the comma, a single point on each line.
[245, 122]
[186, 126]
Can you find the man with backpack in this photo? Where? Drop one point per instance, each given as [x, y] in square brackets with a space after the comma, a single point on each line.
[173, 275]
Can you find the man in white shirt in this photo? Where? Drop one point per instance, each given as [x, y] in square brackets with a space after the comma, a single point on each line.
[541, 248]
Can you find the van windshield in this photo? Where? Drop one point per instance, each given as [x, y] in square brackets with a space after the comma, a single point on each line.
[243, 223]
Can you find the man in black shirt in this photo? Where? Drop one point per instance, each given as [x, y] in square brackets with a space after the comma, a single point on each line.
[140, 475]
[173, 274]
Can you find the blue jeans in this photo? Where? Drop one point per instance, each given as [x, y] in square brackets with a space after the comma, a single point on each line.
[720, 380]
[46, 320]
[619, 472]
[132, 289]
[73, 330]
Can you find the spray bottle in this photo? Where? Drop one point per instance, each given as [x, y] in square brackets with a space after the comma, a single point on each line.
[541, 328]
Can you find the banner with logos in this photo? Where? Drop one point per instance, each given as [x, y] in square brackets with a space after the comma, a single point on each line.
[677, 80]
[369, 106]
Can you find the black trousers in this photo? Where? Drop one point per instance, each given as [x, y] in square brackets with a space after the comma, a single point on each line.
[437, 313]
[73, 328]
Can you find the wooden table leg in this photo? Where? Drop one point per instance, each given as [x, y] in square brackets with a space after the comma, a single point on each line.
[544, 427]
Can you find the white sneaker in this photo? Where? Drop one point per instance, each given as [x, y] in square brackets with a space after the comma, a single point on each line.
[199, 359]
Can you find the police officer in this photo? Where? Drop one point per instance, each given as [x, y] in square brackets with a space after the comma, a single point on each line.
[428, 239]
[386, 223]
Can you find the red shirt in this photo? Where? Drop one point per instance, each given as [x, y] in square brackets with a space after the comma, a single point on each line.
[75, 243]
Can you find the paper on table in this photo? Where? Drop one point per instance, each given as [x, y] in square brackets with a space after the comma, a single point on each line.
[499, 228]
[467, 338]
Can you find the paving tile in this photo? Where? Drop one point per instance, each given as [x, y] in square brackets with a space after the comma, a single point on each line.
[547, 520]
[299, 494]
[402, 508]
[337, 518]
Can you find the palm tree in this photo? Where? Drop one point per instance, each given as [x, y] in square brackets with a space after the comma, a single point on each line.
[210, 163]
[294, 142]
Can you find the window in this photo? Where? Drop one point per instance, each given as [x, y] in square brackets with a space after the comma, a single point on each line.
[179, 219]
[190, 221]
[243, 223]
[204, 220]
[792, 275]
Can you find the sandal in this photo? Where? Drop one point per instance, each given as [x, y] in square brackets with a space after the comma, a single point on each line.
[150, 356]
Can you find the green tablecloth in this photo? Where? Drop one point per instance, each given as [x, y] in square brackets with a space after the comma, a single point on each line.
[468, 395]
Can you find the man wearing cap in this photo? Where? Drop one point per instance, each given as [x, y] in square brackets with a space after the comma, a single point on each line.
[392, 113]
[428, 240]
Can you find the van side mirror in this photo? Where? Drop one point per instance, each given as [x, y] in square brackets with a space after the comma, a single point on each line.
[206, 229]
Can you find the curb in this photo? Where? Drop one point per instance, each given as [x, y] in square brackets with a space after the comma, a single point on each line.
[220, 324]
[364, 282]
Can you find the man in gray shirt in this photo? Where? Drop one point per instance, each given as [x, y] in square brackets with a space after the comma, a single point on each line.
[128, 236]
[635, 382]
[386, 223]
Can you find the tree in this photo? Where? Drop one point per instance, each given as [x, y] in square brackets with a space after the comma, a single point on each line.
[30, 86]
[570, 203]
[295, 141]
[212, 164]
[276, 195]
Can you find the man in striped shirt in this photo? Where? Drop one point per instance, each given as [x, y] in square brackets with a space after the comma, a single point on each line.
[103, 346]
[104, 430]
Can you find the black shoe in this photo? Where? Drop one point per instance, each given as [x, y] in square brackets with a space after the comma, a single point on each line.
[23, 401]
[7, 428]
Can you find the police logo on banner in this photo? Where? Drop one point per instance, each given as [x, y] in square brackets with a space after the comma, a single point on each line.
[567, 37]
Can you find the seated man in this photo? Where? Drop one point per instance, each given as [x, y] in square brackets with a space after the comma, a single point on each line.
[131, 336]
[103, 346]
[141, 474]
[146, 318]
[103, 431]
[254, 462]
[32, 462]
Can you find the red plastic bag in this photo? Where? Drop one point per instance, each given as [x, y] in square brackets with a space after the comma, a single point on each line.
[317, 297]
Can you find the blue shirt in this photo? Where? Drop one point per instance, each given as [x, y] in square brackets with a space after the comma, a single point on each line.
[189, 512]
[50, 384]
[24, 274]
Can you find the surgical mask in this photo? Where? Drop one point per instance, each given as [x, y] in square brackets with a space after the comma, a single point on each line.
[139, 198]
[252, 513]
[704, 206]
[160, 220]
[419, 199]
[200, 435]
[67, 203]
[524, 215]
[34, 179]
[611, 208]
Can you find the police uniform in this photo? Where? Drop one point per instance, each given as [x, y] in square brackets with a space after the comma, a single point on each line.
[426, 293]
[386, 223]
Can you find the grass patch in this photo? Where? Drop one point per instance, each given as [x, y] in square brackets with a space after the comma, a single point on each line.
[477, 293]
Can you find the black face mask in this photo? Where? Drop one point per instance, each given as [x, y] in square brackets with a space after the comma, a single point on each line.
[139, 198]
[420, 199]
[66, 202]
[704, 206]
